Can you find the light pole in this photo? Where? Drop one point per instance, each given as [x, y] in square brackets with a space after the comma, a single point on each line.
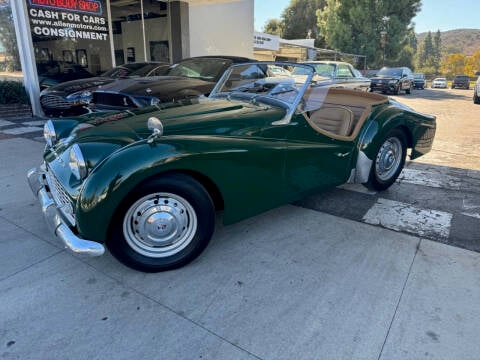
[383, 41]
[383, 35]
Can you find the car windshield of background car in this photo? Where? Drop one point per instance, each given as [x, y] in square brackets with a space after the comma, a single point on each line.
[321, 69]
[205, 69]
[390, 72]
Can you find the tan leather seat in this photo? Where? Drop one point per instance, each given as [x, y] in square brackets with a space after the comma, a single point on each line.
[335, 119]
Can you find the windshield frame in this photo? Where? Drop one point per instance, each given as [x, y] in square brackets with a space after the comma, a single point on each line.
[289, 106]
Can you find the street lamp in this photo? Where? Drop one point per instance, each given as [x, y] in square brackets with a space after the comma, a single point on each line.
[383, 41]
[383, 35]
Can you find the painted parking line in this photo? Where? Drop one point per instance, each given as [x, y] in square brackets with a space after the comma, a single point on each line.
[34, 123]
[434, 179]
[6, 123]
[21, 130]
[404, 217]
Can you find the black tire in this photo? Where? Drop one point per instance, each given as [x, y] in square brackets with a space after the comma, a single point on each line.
[388, 162]
[396, 90]
[409, 90]
[476, 99]
[147, 238]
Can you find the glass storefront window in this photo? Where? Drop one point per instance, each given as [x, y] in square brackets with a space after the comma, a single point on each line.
[10, 67]
[71, 38]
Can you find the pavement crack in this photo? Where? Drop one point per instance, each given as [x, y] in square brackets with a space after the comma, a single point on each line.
[417, 250]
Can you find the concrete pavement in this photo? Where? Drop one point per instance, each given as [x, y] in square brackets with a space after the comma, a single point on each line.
[293, 283]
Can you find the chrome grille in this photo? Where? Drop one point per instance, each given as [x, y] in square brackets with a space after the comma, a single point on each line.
[62, 200]
[55, 102]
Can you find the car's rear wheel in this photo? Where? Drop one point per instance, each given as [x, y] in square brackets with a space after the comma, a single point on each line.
[388, 162]
[476, 98]
[164, 224]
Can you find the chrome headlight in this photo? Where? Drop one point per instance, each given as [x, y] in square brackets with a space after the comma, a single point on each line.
[77, 163]
[393, 82]
[49, 133]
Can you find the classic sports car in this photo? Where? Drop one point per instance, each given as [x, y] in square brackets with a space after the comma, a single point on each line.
[146, 183]
[336, 74]
[187, 79]
[70, 98]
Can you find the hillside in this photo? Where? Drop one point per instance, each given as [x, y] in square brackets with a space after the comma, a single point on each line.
[464, 41]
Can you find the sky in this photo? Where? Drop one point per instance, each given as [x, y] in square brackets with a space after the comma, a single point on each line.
[435, 15]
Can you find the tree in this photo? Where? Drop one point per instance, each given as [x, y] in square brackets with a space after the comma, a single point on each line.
[301, 21]
[454, 64]
[429, 55]
[8, 38]
[274, 27]
[362, 26]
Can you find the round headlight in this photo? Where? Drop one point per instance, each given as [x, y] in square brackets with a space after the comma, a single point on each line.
[49, 133]
[77, 162]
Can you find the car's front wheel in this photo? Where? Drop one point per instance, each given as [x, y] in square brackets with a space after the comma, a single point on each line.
[389, 161]
[162, 225]
[476, 98]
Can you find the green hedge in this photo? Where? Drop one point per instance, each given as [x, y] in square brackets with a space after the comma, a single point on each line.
[13, 92]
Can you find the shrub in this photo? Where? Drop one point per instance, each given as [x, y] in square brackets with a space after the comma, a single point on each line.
[13, 92]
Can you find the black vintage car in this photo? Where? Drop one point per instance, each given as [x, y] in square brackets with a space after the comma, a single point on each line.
[461, 81]
[70, 97]
[51, 73]
[393, 80]
[419, 81]
[188, 79]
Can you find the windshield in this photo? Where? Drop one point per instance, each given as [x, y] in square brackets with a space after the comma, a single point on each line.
[134, 69]
[209, 69]
[418, 76]
[257, 82]
[390, 72]
[322, 69]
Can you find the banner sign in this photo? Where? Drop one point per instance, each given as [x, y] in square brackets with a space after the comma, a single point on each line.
[87, 6]
[266, 41]
[71, 19]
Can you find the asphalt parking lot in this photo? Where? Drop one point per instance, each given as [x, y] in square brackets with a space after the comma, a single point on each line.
[304, 281]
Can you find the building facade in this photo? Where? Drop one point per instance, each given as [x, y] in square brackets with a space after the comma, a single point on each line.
[71, 36]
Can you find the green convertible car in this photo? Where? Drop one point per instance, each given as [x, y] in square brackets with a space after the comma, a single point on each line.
[146, 183]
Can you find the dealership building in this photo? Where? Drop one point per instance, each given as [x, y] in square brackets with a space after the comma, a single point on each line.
[96, 35]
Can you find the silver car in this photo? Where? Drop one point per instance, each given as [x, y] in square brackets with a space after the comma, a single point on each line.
[439, 83]
[337, 74]
[476, 90]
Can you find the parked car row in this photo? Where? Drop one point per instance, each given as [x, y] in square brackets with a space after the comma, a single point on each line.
[138, 85]
[145, 183]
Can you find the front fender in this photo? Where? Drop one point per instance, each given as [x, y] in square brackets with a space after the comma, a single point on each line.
[238, 167]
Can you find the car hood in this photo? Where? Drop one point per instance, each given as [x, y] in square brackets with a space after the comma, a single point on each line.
[207, 117]
[385, 77]
[73, 86]
[156, 85]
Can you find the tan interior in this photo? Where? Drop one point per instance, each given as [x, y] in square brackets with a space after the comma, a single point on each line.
[339, 113]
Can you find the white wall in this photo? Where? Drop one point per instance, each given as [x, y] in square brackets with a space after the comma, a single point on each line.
[222, 29]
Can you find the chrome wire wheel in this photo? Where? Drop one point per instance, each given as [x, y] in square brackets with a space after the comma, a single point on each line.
[389, 158]
[160, 225]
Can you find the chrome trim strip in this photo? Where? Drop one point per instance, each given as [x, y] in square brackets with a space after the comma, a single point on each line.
[54, 220]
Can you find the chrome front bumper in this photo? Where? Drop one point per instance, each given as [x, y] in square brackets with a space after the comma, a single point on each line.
[54, 219]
